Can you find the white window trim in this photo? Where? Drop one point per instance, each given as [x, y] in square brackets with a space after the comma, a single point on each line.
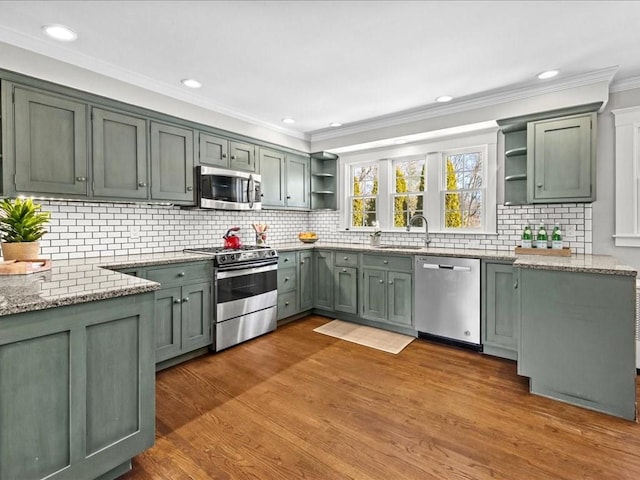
[433, 153]
[627, 184]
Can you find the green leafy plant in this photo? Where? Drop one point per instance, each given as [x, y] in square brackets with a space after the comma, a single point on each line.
[21, 220]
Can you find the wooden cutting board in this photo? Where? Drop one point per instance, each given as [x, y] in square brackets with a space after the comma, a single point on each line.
[565, 252]
[23, 267]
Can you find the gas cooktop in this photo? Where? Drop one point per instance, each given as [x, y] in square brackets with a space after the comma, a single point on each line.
[230, 256]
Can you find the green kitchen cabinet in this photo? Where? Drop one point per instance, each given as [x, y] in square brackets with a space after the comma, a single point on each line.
[119, 155]
[387, 288]
[515, 165]
[172, 163]
[577, 337]
[295, 283]
[345, 289]
[183, 308]
[499, 320]
[285, 179]
[242, 156]
[77, 389]
[50, 143]
[562, 166]
[213, 151]
[323, 280]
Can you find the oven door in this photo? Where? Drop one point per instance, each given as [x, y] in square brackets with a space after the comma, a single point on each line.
[244, 290]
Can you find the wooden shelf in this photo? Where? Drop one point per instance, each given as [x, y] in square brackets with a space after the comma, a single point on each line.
[514, 152]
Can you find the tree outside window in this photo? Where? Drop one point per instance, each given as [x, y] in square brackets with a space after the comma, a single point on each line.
[463, 197]
[408, 198]
[364, 191]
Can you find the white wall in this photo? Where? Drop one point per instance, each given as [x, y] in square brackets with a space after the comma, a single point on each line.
[604, 207]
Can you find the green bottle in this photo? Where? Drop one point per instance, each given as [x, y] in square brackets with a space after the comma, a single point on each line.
[556, 238]
[527, 237]
[541, 237]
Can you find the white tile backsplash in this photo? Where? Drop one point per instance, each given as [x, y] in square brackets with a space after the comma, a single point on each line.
[80, 229]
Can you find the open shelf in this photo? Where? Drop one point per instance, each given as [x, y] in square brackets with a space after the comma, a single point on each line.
[515, 151]
[520, 176]
[324, 173]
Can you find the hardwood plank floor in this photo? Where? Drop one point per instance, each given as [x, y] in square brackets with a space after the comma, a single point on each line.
[296, 404]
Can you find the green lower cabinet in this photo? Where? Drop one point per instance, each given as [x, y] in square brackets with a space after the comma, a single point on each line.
[576, 339]
[295, 283]
[305, 266]
[77, 395]
[167, 321]
[386, 296]
[499, 318]
[345, 289]
[323, 279]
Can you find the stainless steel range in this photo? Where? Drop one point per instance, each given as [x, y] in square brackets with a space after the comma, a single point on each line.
[245, 292]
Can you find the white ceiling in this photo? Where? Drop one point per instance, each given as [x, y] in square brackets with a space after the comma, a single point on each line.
[332, 61]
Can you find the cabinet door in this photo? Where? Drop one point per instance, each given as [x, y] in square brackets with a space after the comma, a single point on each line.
[168, 322]
[345, 289]
[305, 281]
[399, 295]
[214, 150]
[197, 318]
[272, 165]
[500, 326]
[297, 181]
[374, 294]
[323, 272]
[50, 144]
[171, 163]
[119, 155]
[243, 156]
[563, 159]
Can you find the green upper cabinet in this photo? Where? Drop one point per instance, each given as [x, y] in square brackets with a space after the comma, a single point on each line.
[50, 135]
[297, 181]
[214, 151]
[324, 181]
[285, 179]
[172, 173]
[563, 159]
[119, 154]
[242, 156]
[272, 168]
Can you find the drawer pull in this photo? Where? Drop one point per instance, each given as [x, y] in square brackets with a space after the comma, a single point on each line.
[346, 258]
[390, 282]
[381, 281]
[385, 262]
[189, 189]
[185, 299]
[286, 279]
[177, 300]
[142, 184]
[181, 274]
[224, 155]
[301, 262]
[286, 304]
[344, 270]
[81, 179]
[286, 260]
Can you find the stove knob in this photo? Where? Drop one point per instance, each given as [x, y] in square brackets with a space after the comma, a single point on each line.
[223, 258]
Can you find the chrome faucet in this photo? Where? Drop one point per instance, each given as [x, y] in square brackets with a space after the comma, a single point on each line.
[427, 240]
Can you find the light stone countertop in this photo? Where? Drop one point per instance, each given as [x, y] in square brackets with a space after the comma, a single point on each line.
[84, 280]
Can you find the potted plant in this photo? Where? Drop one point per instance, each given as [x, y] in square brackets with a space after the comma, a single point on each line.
[21, 227]
[374, 238]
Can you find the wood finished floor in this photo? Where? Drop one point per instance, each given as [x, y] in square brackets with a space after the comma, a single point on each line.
[296, 404]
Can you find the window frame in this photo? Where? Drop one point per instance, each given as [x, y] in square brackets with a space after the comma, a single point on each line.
[433, 153]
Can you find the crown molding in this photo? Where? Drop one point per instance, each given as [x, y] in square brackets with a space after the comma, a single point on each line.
[503, 96]
[65, 54]
[627, 84]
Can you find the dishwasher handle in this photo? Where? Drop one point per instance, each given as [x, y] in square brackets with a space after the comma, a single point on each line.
[435, 266]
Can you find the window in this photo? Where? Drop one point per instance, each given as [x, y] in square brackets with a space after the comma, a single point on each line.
[364, 190]
[463, 190]
[627, 180]
[409, 185]
[451, 182]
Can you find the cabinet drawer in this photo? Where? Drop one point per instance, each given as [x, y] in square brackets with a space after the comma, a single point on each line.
[180, 274]
[286, 259]
[287, 279]
[347, 259]
[287, 304]
[394, 262]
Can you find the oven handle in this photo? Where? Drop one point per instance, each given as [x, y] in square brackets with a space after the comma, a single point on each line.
[246, 270]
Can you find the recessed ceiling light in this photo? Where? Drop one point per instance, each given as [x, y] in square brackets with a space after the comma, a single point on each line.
[335, 124]
[60, 32]
[444, 98]
[288, 120]
[548, 74]
[399, 141]
[191, 83]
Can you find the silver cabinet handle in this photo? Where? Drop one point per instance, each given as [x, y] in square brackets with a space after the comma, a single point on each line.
[181, 274]
[189, 189]
[185, 299]
[390, 282]
[224, 155]
[288, 197]
[286, 279]
[539, 185]
[286, 259]
[344, 270]
[386, 262]
[346, 258]
[381, 281]
[177, 300]
[81, 179]
[233, 157]
[142, 184]
[515, 285]
[301, 262]
[286, 304]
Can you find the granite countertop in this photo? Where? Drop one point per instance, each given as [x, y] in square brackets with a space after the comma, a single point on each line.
[602, 264]
[84, 280]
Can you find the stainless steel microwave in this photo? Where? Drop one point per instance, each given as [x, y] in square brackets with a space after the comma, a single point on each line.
[223, 189]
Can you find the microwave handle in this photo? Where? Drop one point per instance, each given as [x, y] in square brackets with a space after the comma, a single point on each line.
[251, 191]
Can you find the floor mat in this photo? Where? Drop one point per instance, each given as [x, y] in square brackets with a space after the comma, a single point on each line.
[390, 342]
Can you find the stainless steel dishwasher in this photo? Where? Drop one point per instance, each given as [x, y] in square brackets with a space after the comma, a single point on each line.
[447, 300]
